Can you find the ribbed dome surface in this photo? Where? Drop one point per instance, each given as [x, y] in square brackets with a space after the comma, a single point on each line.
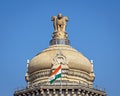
[74, 58]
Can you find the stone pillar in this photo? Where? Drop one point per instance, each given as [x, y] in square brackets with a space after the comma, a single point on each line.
[87, 93]
[53, 92]
[48, 92]
[79, 92]
[37, 93]
[83, 93]
[66, 92]
[42, 92]
[28, 94]
[33, 93]
[72, 91]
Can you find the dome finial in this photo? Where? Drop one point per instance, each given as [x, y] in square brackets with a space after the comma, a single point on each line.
[59, 23]
[59, 35]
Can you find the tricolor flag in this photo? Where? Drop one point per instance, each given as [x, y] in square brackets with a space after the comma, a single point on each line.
[56, 74]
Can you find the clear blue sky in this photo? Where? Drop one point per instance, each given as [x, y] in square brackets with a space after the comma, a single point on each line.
[26, 29]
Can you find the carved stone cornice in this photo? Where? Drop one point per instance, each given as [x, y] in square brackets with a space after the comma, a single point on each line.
[53, 90]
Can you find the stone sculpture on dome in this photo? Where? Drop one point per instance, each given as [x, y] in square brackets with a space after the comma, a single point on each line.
[59, 22]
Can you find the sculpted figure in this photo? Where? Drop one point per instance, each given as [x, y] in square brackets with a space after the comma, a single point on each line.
[59, 22]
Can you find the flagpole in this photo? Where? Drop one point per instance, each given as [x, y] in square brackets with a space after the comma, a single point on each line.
[61, 80]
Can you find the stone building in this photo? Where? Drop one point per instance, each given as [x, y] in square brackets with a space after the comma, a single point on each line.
[77, 71]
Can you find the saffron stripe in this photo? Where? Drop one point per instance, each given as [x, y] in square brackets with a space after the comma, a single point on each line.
[56, 70]
[53, 76]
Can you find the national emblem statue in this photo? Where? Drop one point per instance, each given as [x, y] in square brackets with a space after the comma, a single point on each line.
[59, 22]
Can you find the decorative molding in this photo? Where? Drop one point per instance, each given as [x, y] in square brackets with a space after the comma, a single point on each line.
[67, 75]
[51, 90]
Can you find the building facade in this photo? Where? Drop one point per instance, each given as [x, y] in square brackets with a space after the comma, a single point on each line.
[77, 71]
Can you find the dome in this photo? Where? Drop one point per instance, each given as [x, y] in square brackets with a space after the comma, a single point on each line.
[74, 58]
[76, 68]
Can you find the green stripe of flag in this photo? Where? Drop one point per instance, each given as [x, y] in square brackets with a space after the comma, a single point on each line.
[56, 76]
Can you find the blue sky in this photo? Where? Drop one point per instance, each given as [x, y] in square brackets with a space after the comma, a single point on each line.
[26, 29]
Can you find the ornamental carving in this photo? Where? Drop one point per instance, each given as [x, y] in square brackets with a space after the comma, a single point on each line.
[59, 59]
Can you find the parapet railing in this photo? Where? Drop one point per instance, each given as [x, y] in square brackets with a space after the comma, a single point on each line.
[45, 85]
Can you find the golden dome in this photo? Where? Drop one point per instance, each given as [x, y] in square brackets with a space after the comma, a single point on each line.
[74, 58]
[75, 68]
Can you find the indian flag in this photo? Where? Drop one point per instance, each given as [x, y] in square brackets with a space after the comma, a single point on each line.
[55, 74]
